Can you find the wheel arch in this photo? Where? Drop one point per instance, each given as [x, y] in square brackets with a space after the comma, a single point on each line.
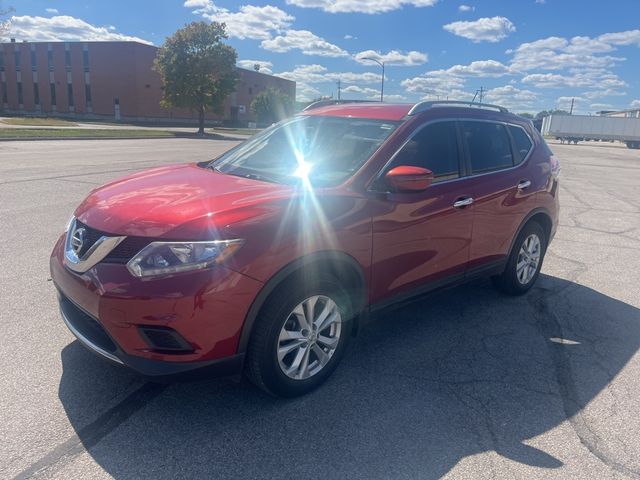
[339, 264]
[541, 216]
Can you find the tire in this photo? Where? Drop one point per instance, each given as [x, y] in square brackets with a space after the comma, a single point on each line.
[265, 369]
[518, 282]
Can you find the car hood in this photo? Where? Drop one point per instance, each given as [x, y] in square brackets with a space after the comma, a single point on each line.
[178, 202]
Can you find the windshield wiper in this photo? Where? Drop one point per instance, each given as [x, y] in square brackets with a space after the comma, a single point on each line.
[256, 176]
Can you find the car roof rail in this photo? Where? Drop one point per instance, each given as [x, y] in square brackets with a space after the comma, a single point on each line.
[422, 106]
[326, 103]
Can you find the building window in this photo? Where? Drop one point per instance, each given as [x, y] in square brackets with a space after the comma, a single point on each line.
[1, 61]
[250, 91]
[52, 86]
[36, 94]
[87, 95]
[4, 93]
[20, 99]
[67, 59]
[50, 60]
[33, 60]
[70, 94]
[85, 60]
[16, 56]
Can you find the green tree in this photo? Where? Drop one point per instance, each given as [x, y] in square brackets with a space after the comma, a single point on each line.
[546, 113]
[526, 115]
[198, 71]
[272, 105]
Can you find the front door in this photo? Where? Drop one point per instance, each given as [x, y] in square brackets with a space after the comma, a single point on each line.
[422, 239]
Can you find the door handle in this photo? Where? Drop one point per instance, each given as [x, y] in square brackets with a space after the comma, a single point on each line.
[462, 202]
[524, 184]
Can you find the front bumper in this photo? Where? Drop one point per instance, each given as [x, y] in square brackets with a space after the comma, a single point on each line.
[94, 338]
[107, 309]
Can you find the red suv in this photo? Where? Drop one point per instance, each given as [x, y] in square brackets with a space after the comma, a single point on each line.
[267, 259]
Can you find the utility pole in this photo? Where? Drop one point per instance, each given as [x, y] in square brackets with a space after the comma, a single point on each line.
[481, 94]
[572, 101]
[338, 89]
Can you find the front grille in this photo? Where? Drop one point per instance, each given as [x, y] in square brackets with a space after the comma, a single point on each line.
[91, 236]
[86, 325]
[125, 250]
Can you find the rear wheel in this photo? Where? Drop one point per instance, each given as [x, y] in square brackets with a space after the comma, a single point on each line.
[525, 261]
[299, 338]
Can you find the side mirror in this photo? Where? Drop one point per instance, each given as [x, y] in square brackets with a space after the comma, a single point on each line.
[406, 179]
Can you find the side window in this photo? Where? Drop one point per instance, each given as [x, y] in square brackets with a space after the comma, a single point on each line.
[488, 145]
[522, 141]
[434, 147]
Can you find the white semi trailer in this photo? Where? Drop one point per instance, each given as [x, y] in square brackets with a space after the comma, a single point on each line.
[575, 128]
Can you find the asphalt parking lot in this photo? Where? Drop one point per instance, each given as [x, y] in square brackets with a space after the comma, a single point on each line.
[465, 383]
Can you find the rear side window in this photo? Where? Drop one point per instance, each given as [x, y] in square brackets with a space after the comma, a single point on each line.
[434, 147]
[522, 141]
[488, 145]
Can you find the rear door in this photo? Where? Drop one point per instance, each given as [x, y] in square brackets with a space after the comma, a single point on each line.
[422, 238]
[502, 187]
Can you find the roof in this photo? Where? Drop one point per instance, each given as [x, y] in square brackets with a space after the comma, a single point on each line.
[377, 111]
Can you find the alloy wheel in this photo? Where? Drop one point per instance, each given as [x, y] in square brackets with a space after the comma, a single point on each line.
[309, 337]
[528, 259]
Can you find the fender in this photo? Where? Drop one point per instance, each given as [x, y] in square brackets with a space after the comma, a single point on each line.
[324, 258]
[529, 216]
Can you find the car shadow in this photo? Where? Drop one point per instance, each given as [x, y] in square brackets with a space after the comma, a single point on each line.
[454, 374]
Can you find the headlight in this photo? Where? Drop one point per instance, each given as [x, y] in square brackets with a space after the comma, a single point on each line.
[163, 258]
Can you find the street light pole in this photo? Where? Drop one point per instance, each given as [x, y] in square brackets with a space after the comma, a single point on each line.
[382, 65]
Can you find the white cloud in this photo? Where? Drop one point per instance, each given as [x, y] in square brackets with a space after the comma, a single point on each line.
[564, 103]
[466, 8]
[313, 74]
[250, 21]
[305, 41]
[350, 37]
[601, 106]
[557, 53]
[62, 28]
[360, 6]
[635, 104]
[394, 57]
[491, 29]
[629, 37]
[265, 66]
[367, 91]
[434, 83]
[481, 68]
[577, 78]
[52, 10]
[511, 97]
[608, 92]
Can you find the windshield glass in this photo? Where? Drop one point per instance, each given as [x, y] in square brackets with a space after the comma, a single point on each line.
[321, 150]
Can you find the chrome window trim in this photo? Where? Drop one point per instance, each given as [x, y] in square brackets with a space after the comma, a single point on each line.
[100, 249]
[88, 343]
[506, 124]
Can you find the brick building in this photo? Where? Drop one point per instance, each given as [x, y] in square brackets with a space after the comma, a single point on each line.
[108, 80]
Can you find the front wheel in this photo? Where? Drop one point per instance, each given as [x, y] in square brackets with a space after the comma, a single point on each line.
[299, 338]
[525, 261]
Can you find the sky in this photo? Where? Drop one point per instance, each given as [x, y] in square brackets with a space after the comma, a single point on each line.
[527, 55]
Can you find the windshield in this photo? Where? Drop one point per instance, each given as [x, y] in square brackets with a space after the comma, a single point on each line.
[324, 151]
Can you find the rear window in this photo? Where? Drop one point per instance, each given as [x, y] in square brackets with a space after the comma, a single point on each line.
[488, 145]
[522, 141]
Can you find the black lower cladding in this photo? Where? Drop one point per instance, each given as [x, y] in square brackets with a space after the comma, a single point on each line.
[157, 370]
[86, 325]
